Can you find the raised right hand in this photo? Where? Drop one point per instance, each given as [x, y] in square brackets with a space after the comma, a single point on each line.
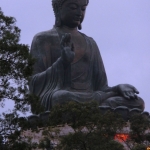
[68, 54]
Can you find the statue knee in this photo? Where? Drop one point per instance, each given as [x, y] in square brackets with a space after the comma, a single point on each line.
[114, 102]
[111, 101]
[60, 97]
[141, 103]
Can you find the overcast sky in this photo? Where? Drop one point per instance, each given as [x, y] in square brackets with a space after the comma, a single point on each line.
[121, 29]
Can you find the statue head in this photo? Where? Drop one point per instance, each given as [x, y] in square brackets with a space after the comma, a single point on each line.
[69, 12]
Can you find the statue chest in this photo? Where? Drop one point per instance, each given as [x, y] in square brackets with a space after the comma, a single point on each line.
[81, 71]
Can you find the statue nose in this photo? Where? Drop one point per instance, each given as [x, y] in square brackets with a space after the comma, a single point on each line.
[79, 12]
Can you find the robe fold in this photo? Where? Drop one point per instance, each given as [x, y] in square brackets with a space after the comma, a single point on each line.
[82, 78]
[82, 81]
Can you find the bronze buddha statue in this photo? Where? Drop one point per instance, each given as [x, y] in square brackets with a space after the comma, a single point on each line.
[69, 66]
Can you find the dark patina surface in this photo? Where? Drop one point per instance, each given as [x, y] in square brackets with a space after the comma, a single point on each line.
[69, 66]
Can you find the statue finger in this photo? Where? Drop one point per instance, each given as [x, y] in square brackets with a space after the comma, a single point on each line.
[72, 56]
[136, 91]
[135, 96]
[72, 47]
[62, 43]
[63, 53]
[64, 40]
[131, 95]
[126, 95]
[69, 39]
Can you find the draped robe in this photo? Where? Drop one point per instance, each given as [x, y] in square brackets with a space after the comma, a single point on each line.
[82, 81]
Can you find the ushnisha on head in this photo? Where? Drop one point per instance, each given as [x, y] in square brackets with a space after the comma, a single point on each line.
[62, 11]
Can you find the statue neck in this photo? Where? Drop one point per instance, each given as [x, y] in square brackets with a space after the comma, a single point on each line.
[66, 29]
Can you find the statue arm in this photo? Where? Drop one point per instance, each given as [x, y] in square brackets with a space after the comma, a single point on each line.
[46, 76]
[100, 78]
[126, 90]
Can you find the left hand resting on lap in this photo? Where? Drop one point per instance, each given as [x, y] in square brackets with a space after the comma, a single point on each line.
[128, 91]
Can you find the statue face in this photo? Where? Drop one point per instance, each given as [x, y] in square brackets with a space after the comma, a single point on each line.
[72, 12]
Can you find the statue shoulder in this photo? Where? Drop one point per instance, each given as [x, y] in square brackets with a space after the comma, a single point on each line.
[89, 38]
[93, 43]
[49, 34]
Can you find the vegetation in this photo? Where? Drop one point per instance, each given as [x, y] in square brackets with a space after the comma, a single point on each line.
[92, 129]
[15, 64]
[15, 70]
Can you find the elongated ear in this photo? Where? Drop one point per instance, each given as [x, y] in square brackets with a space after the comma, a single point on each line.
[57, 16]
[55, 7]
[79, 26]
[58, 22]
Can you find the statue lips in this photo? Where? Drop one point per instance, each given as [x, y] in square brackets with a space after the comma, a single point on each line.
[77, 19]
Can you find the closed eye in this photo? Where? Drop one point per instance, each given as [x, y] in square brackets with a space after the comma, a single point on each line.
[73, 6]
[83, 8]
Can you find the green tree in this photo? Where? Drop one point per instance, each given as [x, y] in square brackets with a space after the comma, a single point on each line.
[11, 137]
[139, 135]
[15, 70]
[15, 64]
[92, 129]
